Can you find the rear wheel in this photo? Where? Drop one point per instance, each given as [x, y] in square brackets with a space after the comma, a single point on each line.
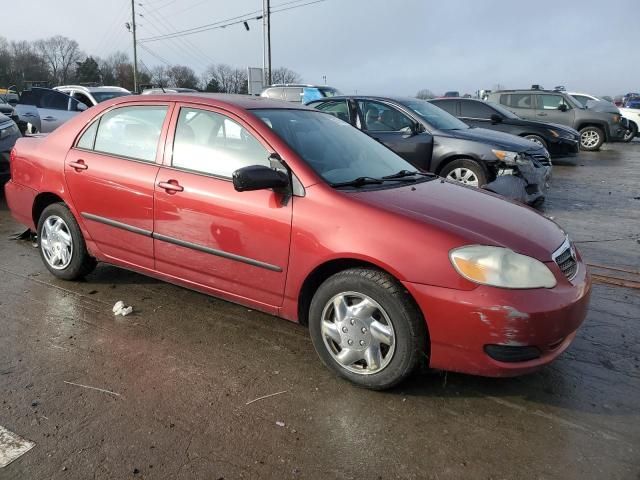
[631, 133]
[537, 139]
[591, 138]
[62, 246]
[466, 171]
[366, 328]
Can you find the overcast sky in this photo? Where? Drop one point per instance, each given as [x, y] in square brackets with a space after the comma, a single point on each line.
[373, 46]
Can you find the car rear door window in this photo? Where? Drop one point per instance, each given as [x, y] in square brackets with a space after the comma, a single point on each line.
[379, 117]
[211, 143]
[473, 109]
[517, 100]
[448, 106]
[131, 132]
[337, 108]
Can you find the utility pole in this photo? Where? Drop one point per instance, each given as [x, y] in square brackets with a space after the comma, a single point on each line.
[266, 31]
[135, 47]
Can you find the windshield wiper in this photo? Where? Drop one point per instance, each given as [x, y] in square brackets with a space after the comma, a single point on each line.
[361, 181]
[408, 173]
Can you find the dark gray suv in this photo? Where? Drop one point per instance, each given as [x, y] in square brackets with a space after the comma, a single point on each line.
[553, 106]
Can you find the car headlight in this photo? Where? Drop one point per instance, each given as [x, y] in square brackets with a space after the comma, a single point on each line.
[616, 118]
[553, 133]
[501, 267]
[511, 158]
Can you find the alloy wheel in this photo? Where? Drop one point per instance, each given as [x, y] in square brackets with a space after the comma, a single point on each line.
[358, 333]
[589, 139]
[56, 243]
[464, 175]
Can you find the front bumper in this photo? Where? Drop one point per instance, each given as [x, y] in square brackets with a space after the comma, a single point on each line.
[564, 146]
[462, 324]
[524, 183]
[618, 131]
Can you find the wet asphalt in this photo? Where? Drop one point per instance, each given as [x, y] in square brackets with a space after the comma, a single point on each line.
[177, 374]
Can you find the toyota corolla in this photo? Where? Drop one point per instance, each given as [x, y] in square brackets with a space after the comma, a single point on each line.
[296, 213]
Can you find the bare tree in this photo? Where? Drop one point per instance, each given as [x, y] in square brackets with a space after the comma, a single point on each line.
[226, 79]
[182, 76]
[60, 54]
[25, 64]
[285, 75]
[160, 76]
[425, 94]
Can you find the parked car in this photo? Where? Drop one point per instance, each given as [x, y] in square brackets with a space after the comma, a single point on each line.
[558, 107]
[91, 96]
[9, 134]
[297, 93]
[633, 102]
[591, 101]
[45, 109]
[156, 91]
[435, 141]
[293, 212]
[557, 139]
[452, 94]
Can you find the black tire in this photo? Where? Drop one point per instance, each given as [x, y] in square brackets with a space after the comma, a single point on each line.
[631, 133]
[81, 263]
[591, 138]
[466, 164]
[537, 139]
[410, 334]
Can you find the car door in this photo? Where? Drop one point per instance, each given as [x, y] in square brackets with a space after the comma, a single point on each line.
[205, 232]
[27, 109]
[522, 104]
[55, 108]
[553, 108]
[392, 127]
[111, 173]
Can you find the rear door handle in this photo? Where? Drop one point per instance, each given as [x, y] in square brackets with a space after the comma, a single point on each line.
[542, 114]
[49, 118]
[28, 115]
[171, 186]
[79, 165]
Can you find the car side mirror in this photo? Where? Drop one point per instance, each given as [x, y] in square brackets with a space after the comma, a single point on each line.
[258, 177]
[411, 130]
[495, 118]
[562, 107]
[81, 107]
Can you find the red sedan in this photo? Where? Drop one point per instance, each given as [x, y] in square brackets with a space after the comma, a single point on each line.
[296, 213]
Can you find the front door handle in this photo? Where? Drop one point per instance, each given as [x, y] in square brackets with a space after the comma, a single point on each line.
[171, 186]
[79, 165]
[49, 118]
[29, 115]
[542, 114]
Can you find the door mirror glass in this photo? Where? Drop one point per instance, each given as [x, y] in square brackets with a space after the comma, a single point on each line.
[258, 177]
[495, 118]
[562, 107]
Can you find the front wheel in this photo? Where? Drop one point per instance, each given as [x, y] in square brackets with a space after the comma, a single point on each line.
[62, 246]
[465, 171]
[631, 133]
[366, 328]
[591, 138]
[537, 139]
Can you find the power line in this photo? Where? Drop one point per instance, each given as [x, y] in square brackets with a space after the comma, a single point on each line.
[228, 22]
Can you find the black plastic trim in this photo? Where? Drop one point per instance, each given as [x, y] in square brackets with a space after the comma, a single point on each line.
[114, 223]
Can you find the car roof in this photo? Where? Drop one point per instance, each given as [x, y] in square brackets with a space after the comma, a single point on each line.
[247, 102]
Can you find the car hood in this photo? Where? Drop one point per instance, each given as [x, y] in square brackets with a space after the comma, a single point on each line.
[602, 106]
[504, 141]
[476, 216]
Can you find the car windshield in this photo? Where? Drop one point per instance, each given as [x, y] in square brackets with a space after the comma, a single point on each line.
[502, 110]
[334, 149]
[434, 116]
[104, 96]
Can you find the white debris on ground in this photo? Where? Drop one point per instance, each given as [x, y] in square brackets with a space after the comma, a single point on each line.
[12, 446]
[121, 309]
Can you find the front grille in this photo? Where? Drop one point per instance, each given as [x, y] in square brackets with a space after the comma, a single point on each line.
[542, 159]
[566, 260]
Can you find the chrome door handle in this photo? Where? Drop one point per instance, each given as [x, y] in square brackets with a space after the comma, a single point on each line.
[28, 115]
[49, 118]
[79, 165]
[171, 186]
